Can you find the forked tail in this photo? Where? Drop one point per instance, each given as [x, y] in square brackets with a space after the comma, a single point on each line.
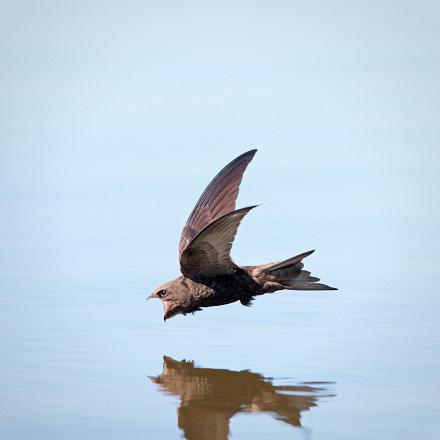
[289, 274]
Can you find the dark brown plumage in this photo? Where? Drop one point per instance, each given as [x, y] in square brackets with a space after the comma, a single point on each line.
[210, 277]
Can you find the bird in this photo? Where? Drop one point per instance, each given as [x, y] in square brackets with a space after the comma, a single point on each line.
[210, 397]
[209, 275]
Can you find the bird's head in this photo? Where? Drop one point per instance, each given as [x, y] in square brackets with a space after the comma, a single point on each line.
[174, 296]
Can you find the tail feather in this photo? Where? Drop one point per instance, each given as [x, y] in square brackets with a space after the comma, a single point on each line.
[289, 274]
[289, 262]
[304, 285]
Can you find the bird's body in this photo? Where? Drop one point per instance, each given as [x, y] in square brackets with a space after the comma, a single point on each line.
[210, 277]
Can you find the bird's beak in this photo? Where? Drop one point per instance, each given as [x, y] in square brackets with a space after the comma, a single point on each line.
[167, 315]
[152, 296]
[155, 379]
[170, 311]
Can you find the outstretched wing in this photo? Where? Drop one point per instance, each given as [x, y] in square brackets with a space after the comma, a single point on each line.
[209, 253]
[218, 198]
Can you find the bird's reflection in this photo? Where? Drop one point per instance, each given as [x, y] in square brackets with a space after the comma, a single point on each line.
[210, 397]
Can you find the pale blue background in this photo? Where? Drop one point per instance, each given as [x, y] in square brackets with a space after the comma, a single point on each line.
[115, 115]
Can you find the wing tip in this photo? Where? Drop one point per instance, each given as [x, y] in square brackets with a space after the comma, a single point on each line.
[240, 210]
[247, 154]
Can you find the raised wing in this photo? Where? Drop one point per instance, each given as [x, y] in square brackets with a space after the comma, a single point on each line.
[218, 198]
[209, 253]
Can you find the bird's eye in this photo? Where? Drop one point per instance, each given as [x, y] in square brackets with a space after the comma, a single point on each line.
[161, 293]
